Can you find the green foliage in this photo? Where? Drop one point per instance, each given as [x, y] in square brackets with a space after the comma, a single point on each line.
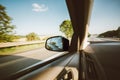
[118, 32]
[6, 38]
[6, 29]
[18, 49]
[66, 28]
[89, 34]
[32, 36]
[112, 33]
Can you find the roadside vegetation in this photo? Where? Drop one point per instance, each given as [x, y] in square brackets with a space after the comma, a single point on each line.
[7, 34]
[32, 36]
[6, 28]
[18, 49]
[111, 33]
[66, 28]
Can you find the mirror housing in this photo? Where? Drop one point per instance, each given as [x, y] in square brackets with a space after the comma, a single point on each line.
[57, 43]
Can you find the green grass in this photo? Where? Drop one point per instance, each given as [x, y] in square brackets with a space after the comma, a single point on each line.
[18, 49]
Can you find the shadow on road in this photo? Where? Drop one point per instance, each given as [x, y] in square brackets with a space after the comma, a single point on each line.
[10, 65]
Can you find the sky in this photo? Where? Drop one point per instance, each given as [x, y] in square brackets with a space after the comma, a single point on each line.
[45, 16]
[105, 16]
[40, 16]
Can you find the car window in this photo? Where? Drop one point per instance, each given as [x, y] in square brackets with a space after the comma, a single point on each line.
[26, 24]
[105, 25]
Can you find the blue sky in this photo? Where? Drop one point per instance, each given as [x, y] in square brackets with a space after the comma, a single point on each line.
[39, 16]
[105, 16]
[44, 16]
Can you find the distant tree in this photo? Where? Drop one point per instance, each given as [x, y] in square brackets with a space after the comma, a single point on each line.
[66, 28]
[6, 29]
[118, 32]
[32, 36]
[89, 34]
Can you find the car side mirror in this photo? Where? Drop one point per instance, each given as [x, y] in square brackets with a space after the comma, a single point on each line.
[57, 43]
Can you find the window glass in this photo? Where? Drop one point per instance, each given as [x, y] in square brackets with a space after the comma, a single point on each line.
[24, 27]
[105, 21]
[28, 23]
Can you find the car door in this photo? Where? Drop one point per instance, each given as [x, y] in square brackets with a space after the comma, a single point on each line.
[71, 66]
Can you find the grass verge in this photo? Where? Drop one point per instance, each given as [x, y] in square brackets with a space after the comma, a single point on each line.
[18, 49]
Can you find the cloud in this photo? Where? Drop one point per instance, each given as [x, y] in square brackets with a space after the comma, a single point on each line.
[39, 8]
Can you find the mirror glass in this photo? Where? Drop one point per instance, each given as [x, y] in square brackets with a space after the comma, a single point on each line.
[54, 44]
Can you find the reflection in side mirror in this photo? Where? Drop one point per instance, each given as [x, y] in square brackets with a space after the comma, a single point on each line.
[57, 43]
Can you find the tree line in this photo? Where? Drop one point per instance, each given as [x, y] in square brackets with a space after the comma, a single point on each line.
[111, 33]
[7, 33]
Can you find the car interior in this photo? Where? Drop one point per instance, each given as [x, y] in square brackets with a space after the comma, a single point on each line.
[81, 60]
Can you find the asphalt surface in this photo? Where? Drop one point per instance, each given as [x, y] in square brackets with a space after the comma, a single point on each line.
[108, 55]
[14, 63]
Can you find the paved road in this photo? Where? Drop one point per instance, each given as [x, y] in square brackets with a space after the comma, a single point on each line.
[108, 55]
[94, 39]
[14, 63]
